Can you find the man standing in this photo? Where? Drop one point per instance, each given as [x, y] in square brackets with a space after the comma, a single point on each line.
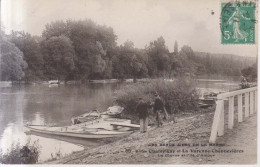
[158, 108]
[142, 109]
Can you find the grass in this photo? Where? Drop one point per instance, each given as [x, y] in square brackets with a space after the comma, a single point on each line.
[21, 154]
[178, 96]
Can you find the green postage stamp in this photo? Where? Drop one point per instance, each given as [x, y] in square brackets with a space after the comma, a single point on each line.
[238, 22]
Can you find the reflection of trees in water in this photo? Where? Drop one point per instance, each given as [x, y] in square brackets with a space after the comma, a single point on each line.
[220, 85]
[11, 121]
[51, 105]
[56, 105]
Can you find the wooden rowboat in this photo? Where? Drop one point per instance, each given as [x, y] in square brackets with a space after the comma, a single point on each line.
[89, 116]
[111, 112]
[77, 131]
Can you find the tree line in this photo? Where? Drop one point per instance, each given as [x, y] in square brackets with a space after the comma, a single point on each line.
[83, 50]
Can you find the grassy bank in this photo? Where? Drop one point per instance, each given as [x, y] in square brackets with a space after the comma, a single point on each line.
[21, 154]
[178, 96]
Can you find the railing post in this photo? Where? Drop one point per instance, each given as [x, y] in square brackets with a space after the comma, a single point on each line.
[216, 121]
[231, 113]
[256, 101]
[221, 121]
[246, 104]
[251, 102]
[239, 107]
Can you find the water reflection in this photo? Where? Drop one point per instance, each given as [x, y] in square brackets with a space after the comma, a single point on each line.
[50, 147]
[41, 104]
[12, 135]
[219, 85]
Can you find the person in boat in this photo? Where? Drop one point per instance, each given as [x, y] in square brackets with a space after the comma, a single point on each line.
[142, 108]
[158, 108]
[244, 83]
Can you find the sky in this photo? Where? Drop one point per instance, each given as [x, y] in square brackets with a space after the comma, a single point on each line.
[189, 22]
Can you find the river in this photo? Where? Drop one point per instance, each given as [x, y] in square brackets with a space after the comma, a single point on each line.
[42, 104]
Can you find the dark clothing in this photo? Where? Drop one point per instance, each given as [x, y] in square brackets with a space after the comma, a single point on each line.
[159, 118]
[143, 124]
[244, 84]
[158, 108]
[158, 104]
[142, 109]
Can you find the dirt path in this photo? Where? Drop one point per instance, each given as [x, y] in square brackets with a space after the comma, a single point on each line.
[242, 138]
[173, 144]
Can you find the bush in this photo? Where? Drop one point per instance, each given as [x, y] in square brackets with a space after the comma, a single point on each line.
[180, 95]
[27, 154]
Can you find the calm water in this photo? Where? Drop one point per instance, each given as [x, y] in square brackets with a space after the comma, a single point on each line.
[41, 104]
[222, 85]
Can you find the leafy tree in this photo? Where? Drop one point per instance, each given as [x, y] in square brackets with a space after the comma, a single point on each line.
[184, 62]
[58, 54]
[129, 45]
[56, 28]
[139, 65]
[187, 51]
[83, 50]
[32, 54]
[125, 61]
[158, 57]
[175, 48]
[12, 63]
[130, 62]
[94, 46]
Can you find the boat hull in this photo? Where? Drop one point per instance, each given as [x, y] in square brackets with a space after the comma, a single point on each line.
[81, 134]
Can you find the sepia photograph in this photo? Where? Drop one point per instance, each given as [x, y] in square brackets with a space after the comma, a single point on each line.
[128, 82]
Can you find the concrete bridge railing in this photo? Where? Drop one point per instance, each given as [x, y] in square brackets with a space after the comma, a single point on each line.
[250, 107]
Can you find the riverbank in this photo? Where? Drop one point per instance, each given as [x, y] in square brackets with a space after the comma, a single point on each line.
[99, 81]
[190, 128]
[160, 145]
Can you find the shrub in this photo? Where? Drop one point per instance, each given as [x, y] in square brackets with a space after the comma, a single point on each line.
[180, 95]
[27, 154]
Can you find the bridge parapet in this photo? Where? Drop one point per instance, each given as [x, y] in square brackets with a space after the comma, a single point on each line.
[250, 107]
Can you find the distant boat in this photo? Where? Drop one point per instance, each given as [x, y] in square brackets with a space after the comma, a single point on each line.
[5, 84]
[129, 80]
[53, 82]
[77, 131]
